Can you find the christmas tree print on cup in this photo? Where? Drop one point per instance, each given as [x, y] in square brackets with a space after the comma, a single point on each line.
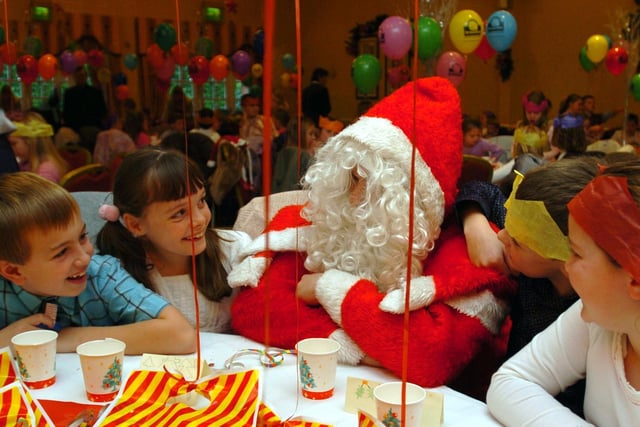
[101, 362]
[388, 397]
[317, 362]
[35, 355]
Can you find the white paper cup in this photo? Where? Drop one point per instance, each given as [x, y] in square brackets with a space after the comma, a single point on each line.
[388, 397]
[317, 363]
[101, 362]
[35, 354]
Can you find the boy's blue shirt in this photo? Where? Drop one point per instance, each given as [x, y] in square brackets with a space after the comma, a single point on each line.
[111, 297]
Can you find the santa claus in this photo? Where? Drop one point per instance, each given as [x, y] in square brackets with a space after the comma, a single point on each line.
[337, 265]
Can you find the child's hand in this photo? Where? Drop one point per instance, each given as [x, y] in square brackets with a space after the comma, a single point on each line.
[23, 325]
[306, 289]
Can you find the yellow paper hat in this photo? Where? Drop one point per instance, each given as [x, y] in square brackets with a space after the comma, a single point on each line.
[32, 129]
[529, 223]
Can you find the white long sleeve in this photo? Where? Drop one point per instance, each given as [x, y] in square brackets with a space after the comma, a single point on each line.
[521, 392]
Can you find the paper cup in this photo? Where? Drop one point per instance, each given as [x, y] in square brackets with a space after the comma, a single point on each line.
[35, 354]
[388, 397]
[101, 362]
[317, 362]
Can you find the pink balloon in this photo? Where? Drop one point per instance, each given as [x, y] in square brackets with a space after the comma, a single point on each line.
[616, 60]
[395, 36]
[452, 66]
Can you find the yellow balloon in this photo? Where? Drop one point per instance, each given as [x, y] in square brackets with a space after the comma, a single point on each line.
[285, 79]
[256, 70]
[597, 48]
[465, 30]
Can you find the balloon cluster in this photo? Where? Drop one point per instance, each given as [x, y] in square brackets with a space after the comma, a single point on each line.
[467, 33]
[290, 77]
[202, 64]
[599, 48]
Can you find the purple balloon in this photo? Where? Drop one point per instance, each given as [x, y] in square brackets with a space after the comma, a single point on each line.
[241, 62]
[395, 37]
[67, 62]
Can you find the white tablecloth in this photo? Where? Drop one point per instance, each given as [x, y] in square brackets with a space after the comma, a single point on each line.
[280, 391]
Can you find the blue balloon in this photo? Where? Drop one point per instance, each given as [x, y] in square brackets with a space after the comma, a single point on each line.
[258, 45]
[501, 30]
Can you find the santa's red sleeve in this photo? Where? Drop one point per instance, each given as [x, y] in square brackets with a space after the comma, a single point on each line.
[266, 308]
[465, 319]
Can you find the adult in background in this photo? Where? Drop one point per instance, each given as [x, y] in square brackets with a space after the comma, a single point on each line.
[315, 97]
[84, 110]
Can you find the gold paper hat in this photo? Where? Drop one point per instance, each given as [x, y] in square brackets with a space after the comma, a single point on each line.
[529, 223]
[32, 129]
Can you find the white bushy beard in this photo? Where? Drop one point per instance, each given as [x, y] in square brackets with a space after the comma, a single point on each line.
[369, 240]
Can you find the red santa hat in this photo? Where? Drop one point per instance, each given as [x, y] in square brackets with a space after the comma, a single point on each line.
[425, 114]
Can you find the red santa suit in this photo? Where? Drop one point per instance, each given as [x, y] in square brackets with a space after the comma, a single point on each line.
[458, 310]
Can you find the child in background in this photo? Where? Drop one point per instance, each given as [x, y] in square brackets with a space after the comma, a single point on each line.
[530, 135]
[208, 122]
[598, 337]
[533, 245]
[630, 135]
[293, 161]
[474, 144]
[158, 219]
[47, 258]
[33, 145]
[328, 129]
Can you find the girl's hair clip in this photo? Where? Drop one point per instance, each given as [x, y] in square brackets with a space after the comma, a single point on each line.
[110, 213]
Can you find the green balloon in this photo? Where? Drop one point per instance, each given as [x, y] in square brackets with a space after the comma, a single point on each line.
[366, 72]
[33, 46]
[429, 37]
[2, 35]
[165, 36]
[585, 62]
[204, 47]
[635, 87]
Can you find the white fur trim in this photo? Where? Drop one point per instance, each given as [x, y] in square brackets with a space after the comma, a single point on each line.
[349, 352]
[490, 310]
[391, 142]
[331, 289]
[288, 239]
[422, 292]
[248, 272]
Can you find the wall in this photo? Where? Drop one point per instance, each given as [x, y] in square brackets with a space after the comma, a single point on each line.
[545, 52]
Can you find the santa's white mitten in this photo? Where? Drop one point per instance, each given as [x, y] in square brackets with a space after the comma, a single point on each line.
[422, 293]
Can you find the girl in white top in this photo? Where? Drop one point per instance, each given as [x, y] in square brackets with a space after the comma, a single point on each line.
[159, 219]
[599, 336]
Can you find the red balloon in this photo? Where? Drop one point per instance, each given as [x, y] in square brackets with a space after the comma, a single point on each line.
[122, 92]
[27, 68]
[616, 60]
[180, 53]
[80, 57]
[95, 58]
[398, 76]
[165, 71]
[163, 85]
[155, 55]
[484, 50]
[8, 53]
[199, 69]
[219, 67]
[48, 66]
